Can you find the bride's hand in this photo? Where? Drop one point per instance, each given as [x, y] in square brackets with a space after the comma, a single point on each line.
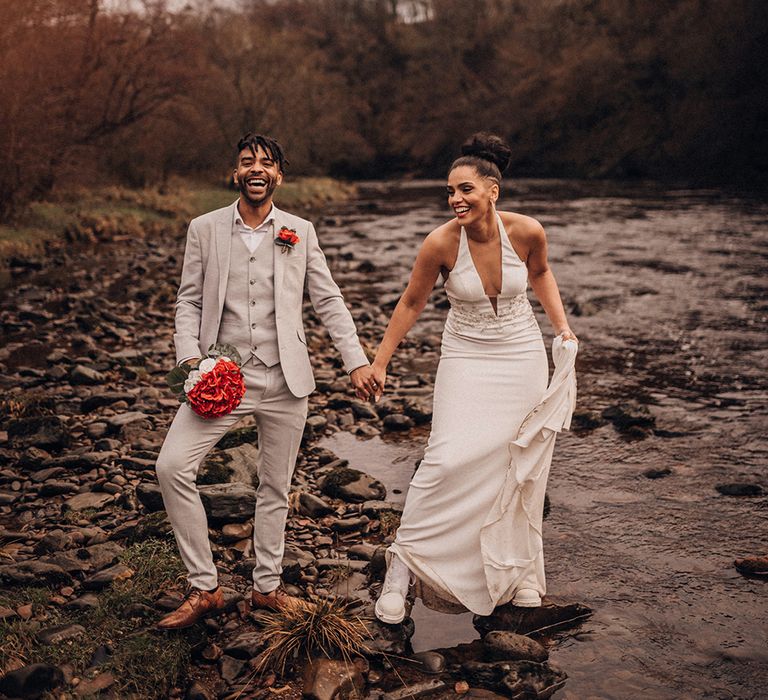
[567, 334]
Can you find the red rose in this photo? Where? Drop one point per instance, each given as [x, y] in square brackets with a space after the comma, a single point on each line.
[218, 392]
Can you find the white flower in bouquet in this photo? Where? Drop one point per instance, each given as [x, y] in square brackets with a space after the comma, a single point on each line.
[192, 379]
[207, 365]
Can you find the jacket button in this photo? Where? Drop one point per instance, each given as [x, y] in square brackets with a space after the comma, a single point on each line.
[253, 302]
[252, 282]
[253, 325]
[253, 259]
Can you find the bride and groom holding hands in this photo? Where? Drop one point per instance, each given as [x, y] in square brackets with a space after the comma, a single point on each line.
[471, 527]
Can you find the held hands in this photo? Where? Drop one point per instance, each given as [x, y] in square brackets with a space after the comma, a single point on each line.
[366, 386]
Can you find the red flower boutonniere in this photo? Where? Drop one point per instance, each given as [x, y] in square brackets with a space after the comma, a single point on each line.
[286, 238]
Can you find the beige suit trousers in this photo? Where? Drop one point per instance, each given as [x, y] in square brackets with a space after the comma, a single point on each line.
[280, 419]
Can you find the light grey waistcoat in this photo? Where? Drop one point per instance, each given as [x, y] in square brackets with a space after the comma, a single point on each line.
[248, 316]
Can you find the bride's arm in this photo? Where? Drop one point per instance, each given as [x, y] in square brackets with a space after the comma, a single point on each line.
[544, 284]
[423, 277]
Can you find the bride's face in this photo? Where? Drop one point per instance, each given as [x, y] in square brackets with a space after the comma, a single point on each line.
[470, 195]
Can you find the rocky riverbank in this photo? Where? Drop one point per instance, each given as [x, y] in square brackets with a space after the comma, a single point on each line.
[88, 560]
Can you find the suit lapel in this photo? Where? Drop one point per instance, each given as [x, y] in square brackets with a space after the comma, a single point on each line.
[279, 260]
[223, 235]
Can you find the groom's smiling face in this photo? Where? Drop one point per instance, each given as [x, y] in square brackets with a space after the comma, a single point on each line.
[257, 175]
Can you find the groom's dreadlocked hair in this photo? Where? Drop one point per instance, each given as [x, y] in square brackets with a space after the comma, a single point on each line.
[267, 144]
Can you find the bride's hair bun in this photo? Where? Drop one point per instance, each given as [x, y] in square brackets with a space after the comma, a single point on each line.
[488, 147]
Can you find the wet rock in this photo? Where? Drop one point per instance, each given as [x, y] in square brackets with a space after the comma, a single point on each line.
[230, 668]
[517, 680]
[154, 525]
[234, 502]
[752, 566]
[33, 573]
[374, 509]
[316, 422]
[101, 555]
[419, 410]
[197, 691]
[239, 436]
[313, 506]
[330, 679]
[363, 411]
[60, 633]
[117, 422]
[378, 565]
[397, 421]
[294, 560]
[390, 639]
[657, 473]
[94, 686]
[89, 499]
[585, 421]
[31, 681]
[105, 398]
[430, 661]
[526, 620]
[508, 646]
[46, 432]
[150, 496]
[107, 577]
[57, 488]
[87, 601]
[54, 541]
[347, 525]
[80, 374]
[364, 551]
[246, 645]
[740, 489]
[631, 420]
[416, 690]
[352, 485]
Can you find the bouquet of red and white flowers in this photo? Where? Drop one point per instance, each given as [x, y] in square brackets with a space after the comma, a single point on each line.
[214, 387]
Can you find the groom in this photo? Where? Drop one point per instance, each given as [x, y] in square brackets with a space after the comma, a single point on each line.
[238, 286]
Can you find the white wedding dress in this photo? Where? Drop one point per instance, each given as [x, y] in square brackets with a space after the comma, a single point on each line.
[471, 527]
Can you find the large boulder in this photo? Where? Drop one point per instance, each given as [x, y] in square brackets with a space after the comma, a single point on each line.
[352, 485]
[227, 503]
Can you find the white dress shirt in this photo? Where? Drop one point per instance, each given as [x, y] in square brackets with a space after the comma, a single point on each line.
[252, 237]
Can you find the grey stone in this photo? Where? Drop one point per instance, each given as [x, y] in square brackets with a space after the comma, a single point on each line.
[397, 421]
[313, 506]
[60, 633]
[106, 577]
[150, 496]
[352, 485]
[48, 432]
[228, 502]
[101, 555]
[430, 661]
[197, 691]
[525, 620]
[346, 525]
[246, 645]
[518, 680]
[230, 668]
[81, 374]
[87, 601]
[89, 499]
[373, 509]
[417, 690]
[508, 646]
[31, 681]
[33, 572]
[57, 488]
[364, 411]
[331, 679]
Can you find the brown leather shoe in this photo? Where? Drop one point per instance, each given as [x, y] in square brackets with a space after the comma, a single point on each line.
[196, 605]
[277, 600]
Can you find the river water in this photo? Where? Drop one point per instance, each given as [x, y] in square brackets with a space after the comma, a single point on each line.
[666, 289]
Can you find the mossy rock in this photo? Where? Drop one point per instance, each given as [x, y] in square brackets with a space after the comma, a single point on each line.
[215, 470]
[238, 436]
[153, 526]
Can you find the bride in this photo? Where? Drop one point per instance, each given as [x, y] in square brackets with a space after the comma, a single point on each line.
[492, 375]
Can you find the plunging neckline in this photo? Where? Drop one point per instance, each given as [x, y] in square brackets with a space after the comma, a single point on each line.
[492, 300]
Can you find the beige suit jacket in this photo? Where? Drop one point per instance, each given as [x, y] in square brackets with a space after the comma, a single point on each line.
[200, 300]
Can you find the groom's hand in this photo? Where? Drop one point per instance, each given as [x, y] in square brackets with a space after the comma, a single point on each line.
[363, 382]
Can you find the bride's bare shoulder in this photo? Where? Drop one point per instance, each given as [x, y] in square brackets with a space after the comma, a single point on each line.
[522, 228]
[444, 239]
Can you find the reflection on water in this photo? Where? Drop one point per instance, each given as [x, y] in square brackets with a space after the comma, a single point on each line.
[667, 291]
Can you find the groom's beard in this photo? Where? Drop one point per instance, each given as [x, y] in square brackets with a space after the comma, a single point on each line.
[256, 201]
